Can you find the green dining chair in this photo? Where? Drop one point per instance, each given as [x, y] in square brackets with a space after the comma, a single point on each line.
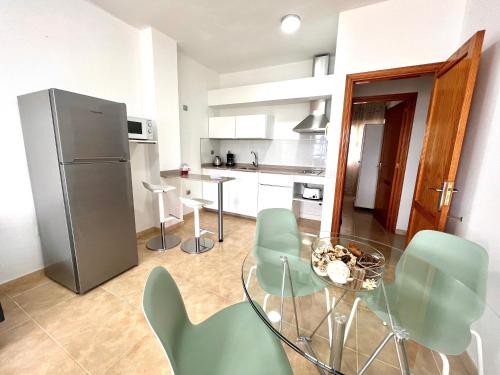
[438, 292]
[277, 237]
[232, 341]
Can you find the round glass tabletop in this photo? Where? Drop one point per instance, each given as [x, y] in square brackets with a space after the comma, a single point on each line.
[344, 298]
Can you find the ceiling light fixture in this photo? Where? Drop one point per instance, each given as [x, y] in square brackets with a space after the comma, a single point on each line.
[290, 23]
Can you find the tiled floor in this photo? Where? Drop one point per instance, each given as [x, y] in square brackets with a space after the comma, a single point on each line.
[50, 330]
[361, 223]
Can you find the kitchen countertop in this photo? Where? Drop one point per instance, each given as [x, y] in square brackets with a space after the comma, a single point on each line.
[279, 169]
[194, 176]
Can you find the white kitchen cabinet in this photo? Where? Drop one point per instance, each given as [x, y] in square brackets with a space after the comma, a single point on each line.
[221, 127]
[242, 193]
[273, 196]
[253, 126]
[240, 127]
[275, 191]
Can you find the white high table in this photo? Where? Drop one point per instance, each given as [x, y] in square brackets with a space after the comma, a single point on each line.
[206, 178]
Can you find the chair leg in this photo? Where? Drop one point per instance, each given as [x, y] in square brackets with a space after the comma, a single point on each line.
[351, 317]
[264, 305]
[328, 306]
[247, 284]
[479, 348]
[446, 364]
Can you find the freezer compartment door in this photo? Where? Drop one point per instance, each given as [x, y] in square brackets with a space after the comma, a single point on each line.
[101, 213]
[88, 128]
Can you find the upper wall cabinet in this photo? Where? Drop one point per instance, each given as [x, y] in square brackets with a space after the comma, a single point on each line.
[221, 127]
[240, 127]
[253, 126]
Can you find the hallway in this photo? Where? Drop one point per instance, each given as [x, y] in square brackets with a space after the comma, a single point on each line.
[360, 222]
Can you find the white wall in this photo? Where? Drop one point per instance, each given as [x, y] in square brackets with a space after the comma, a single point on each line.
[159, 54]
[401, 33]
[299, 69]
[144, 167]
[194, 82]
[422, 86]
[478, 177]
[52, 43]
[78, 47]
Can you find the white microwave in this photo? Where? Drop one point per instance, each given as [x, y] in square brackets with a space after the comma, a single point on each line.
[140, 128]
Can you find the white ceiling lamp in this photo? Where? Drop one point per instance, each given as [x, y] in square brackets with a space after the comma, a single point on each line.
[290, 23]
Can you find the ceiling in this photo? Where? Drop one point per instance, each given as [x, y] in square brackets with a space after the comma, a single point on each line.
[234, 35]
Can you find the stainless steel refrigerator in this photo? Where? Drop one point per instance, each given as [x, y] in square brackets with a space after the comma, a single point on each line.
[79, 165]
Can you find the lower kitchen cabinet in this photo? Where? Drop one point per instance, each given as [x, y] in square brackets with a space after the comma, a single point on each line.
[250, 192]
[275, 191]
[273, 196]
[240, 195]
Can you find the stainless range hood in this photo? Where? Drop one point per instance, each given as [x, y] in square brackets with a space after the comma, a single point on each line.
[317, 121]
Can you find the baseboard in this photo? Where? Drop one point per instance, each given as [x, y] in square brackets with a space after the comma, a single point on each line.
[146, 232]
[38, 272]
[400, 232]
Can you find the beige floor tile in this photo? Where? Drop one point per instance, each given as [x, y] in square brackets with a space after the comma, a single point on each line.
[130, 285]
[25, 283]
[96, 328]
[13, 314]
[200, 304]
[378, 367]
[144, 358]
[42, 298]
[105, 331]
[26, 349]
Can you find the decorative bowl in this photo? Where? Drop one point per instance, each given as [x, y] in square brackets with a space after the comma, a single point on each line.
[347, 263]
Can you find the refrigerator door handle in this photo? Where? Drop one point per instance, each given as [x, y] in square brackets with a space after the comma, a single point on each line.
[97, 160]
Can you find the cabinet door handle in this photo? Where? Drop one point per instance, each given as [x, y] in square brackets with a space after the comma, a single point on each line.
[275, 185]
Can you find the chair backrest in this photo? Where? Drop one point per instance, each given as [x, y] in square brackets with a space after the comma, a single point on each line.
[277, 235]
[464, 260]
[440, 288]
[277, 229]
[165, 311]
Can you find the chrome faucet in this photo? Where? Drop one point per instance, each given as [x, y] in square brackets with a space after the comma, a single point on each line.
[256, 159]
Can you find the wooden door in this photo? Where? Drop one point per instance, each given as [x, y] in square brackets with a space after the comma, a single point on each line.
[394, 118]
[446, 123]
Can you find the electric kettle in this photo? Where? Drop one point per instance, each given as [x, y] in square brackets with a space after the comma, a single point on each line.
[217, 161]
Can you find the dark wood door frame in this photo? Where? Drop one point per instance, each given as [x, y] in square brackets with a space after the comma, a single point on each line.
[351, 80]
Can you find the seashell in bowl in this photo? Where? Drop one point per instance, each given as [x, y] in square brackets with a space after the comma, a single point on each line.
[338, 271]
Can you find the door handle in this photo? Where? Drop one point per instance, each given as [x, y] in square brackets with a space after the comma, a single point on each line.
[445, 193]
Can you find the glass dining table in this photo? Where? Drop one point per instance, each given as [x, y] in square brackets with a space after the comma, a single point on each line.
[384, 316]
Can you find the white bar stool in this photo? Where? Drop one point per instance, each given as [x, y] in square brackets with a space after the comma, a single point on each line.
[197, 244]
[163, 241]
